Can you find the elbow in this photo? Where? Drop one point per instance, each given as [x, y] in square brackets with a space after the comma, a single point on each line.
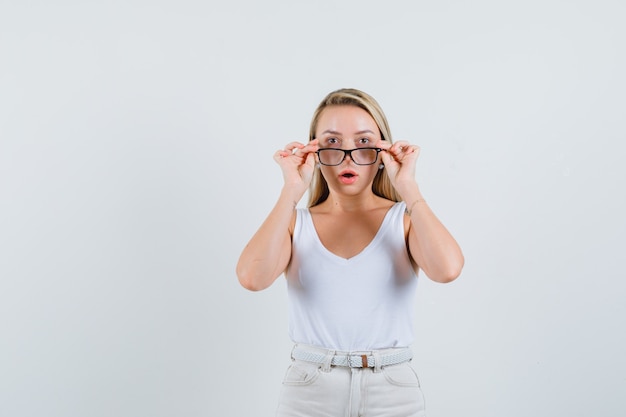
[250, 285]
[250, 280]
[446, 278]
[448, 274]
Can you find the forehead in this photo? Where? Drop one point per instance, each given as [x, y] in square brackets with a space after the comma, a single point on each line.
[345, 119]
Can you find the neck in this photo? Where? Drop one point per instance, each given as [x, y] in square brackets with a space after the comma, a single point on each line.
[343, 203]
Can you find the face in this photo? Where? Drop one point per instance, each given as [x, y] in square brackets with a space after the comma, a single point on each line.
[348, 127]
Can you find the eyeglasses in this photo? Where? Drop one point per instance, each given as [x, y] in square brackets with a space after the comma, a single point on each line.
[360, 156]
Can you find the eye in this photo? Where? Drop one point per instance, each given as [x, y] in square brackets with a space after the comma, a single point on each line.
[364, 141]
[331, 141]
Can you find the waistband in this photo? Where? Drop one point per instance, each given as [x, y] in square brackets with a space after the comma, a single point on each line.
[366, 359]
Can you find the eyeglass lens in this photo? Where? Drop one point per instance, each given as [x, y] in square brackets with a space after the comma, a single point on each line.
[366, 156]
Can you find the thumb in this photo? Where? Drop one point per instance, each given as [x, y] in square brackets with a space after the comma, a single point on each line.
[310, 159]
[385, 157]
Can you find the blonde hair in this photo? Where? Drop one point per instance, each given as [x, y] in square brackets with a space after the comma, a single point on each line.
[318, 191]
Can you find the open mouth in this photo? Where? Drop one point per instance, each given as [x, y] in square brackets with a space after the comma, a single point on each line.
[347, 173]
[348, 177]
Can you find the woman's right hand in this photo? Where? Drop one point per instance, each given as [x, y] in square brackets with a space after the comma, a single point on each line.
[297, 162]
[267, 254]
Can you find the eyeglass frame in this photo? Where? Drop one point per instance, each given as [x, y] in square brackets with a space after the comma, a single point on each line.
[347, 152]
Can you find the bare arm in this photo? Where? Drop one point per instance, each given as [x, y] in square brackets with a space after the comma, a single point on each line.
[430, 244]
[267, 254]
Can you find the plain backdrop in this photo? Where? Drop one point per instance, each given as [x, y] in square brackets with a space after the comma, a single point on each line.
[136, 143]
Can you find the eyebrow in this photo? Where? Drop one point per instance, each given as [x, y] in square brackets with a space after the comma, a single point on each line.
[360, 132]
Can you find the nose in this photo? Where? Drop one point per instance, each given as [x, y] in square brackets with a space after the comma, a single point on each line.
[347, 159]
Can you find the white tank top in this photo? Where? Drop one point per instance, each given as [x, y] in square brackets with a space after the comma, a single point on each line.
[357, 304]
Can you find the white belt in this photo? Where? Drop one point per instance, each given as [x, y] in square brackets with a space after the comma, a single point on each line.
[353, 360]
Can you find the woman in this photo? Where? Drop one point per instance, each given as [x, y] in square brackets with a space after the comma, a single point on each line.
[351, 261]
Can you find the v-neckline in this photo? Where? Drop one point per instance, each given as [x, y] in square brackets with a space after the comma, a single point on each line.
[365, 249]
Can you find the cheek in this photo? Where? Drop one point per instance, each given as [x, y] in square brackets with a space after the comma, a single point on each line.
[327, 172]
[373, 169]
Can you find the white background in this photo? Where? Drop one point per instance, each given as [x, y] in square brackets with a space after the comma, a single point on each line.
[136, 143]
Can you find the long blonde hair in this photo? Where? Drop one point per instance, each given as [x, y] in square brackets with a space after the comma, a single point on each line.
[318, 191]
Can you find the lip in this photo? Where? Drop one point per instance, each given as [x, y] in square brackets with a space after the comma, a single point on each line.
[348, 176]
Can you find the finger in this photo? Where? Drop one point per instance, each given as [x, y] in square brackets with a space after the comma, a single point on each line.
[403, 148]
[383, 144]
[400, 146]
[310, 159]
[310, 147]
[386, 157]
[287, 152]
[281, 153]
[301, 150]
[411, 149]
[293, 146]
[313, 145]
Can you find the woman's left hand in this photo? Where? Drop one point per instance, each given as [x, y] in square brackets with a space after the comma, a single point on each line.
[399, 159]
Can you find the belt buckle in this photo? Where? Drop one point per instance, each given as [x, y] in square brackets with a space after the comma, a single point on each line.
[357, 360]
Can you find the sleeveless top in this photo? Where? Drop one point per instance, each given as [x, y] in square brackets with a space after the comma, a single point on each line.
[362, 303]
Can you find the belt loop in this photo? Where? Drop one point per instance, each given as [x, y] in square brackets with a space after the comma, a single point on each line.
[328, 360]
[377, 360]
